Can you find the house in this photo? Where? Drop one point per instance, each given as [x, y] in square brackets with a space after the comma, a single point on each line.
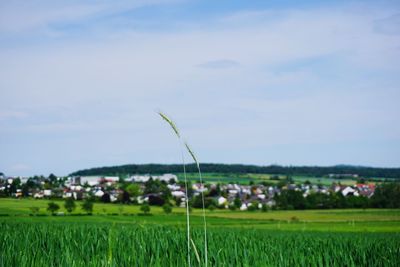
[82, 180]
[173, 187]
[177, 194]
[108, 180]
[99, 193]
[144, 178]
[67, 194]
[243, 207]
[38, 195]
[221, 201]
[261, 196]
[270, 203]
[349, 191]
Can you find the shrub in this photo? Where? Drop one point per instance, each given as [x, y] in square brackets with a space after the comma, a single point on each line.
[52, 207]
[87, 206]
[167, 208]
[145, 208]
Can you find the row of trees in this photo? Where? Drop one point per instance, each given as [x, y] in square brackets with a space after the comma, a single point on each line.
[69, 205]
[239, 168]
[87, 206]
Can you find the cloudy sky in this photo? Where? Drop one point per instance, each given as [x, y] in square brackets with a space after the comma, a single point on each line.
[260, 82]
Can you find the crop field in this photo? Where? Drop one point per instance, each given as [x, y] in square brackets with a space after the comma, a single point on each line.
[85, 244]
[115, 236]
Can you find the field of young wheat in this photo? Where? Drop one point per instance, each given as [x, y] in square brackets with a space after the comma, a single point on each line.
[113, 244]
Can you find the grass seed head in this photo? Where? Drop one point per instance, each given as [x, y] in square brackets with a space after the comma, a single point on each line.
[170, 122]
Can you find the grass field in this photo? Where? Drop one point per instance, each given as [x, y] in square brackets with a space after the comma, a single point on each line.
[115, 236]
[84, 244]
[258, 178]
[348, 220]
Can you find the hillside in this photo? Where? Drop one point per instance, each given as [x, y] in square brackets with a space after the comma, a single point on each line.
[315, 171]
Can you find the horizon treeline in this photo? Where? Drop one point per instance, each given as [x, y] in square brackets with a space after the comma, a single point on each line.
[314, 171]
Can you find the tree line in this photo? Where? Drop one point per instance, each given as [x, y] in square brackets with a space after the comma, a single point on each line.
[315, 171]
[386, 195]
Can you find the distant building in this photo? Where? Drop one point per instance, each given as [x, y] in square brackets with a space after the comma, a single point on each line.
[144, 178]
[94, 180]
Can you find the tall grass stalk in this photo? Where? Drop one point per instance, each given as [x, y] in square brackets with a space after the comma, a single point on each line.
[202, 199]
[175, 129]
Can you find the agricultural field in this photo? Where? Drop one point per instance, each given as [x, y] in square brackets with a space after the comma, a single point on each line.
[115, 236]
[84, 244]
[259, 178]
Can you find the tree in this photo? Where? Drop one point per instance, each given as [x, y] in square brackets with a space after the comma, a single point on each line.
[264, 208]
[290, 199]
[237, 202]
[87, 206]
[134, 190]
[167, 208]
[178, 202]
[255, 204]
[197, 202]
[52, 178]
[156, 200]
[145, 208]
[386, 195]
[124, 197]
[105, 198]
[52, 207]
[69, 204]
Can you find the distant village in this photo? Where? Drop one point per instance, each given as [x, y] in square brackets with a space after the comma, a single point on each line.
[158, 189]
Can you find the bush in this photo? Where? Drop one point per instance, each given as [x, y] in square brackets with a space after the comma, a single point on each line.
[69, 204]
[167, 208]
[251, 208]
[264, 208]
[87, 206]
[34, 210]
[145, 208]
[52, 207]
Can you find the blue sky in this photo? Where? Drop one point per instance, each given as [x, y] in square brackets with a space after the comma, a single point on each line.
[258, 82]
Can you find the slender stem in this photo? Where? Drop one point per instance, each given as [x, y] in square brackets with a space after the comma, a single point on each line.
[204, 217]
[187, 206]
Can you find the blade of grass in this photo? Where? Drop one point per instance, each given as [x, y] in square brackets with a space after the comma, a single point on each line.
[202, 199]
[195, 251]
[175, 129]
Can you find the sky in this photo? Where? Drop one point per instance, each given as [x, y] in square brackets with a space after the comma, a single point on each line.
[252, 82]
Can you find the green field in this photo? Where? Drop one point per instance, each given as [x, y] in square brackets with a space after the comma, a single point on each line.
[347, 220]
[85, 244]
[115, 236]
[259, 178]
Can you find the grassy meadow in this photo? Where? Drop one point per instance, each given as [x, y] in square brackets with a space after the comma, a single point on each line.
[118, 235]
[245, 178]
